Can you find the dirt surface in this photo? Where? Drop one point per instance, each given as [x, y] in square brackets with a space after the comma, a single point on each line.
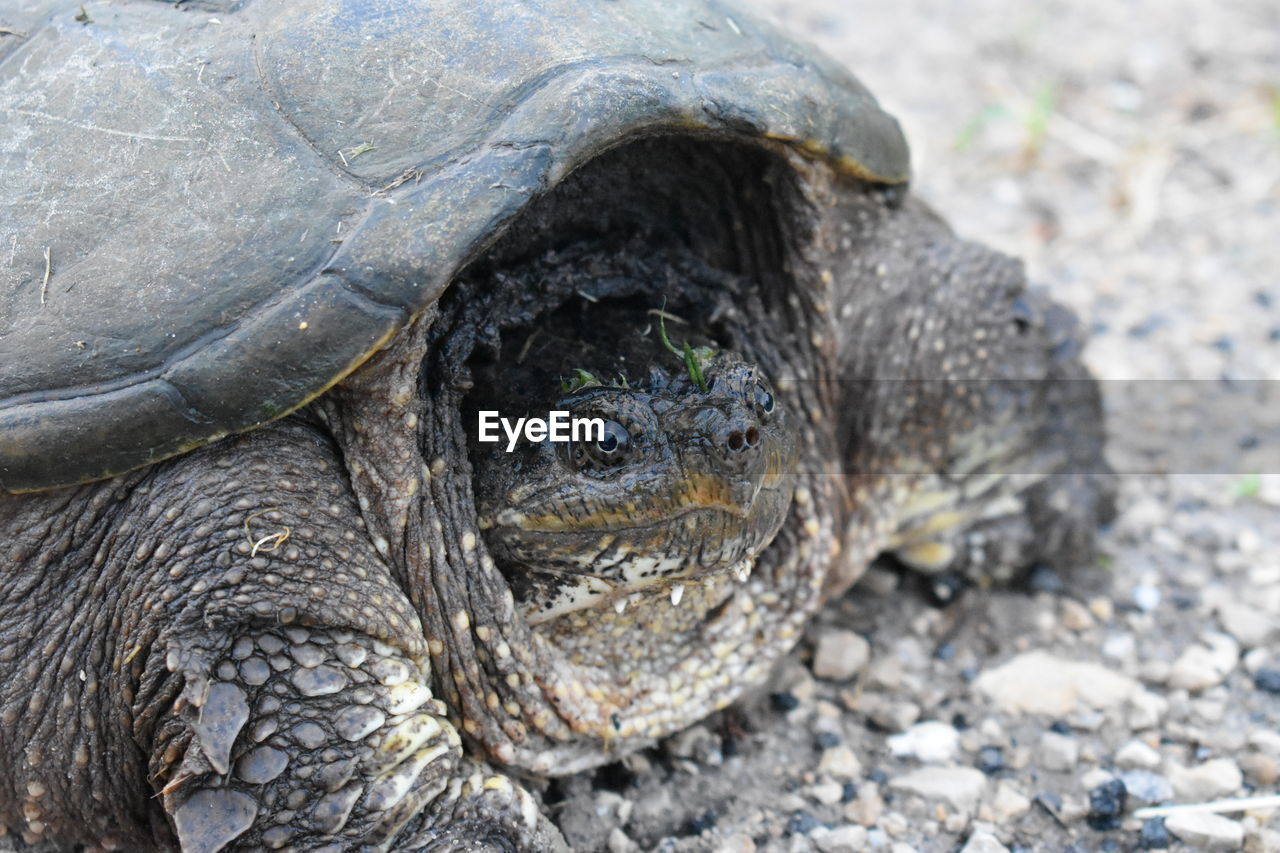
[1130, 153]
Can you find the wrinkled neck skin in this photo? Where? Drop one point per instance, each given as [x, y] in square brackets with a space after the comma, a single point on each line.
[556, 695]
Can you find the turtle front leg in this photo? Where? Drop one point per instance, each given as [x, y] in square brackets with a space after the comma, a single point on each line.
[285, 699]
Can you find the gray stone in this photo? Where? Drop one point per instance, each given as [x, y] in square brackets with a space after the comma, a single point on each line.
[840, 762]
[1217, 778]
[1147, 788]
[1058, 752]
[619, 842]
[1137, 754]
[959, 786]
[842, 839]
[983, 842]
[1039, 683]
[1249, 625]
[840, 655]
[1008, 802]
[1205, 664]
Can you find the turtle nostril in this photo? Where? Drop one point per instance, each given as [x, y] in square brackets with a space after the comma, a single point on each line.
[753, 437]
[736, 441]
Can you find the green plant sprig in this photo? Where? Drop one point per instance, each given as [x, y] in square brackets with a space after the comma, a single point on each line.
[691, 357]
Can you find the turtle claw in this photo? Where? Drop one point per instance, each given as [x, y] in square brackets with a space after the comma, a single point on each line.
[212, 818]
[221, 717]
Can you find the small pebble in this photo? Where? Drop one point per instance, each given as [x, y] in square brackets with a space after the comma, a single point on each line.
[1267, 680]
[1153, 835]
[1008, 802]
[1075, 616]
[931, 742]
[1106, 805]
[1135, 753]
[840, 762]
[840, 655]
[1058, 752]
[828, 793]
[1146, 787]
[842, 839]
[826, 740]
[1147, 598]
[702, 823]
[1042, 578]
[802, 823]
[961, 787]
[1205, 664]
[784, 702]
[620, 842]
[982, 841]
[991, 759]
[1262, 771]
[1219, 777]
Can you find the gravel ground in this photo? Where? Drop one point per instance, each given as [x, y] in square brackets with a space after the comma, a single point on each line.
[1130, 153]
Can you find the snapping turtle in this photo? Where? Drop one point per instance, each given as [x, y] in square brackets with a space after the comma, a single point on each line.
[264, 585]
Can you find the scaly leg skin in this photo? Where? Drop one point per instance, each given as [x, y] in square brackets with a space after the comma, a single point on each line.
[310, 724]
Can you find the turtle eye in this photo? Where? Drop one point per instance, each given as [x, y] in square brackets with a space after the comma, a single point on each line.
[615, 442]
[613, 448]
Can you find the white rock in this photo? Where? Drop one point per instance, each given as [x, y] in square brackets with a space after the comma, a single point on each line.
[1146, 710]
[931, 742]
[1265, 740]
[1039, 683]
[1058, 752]
[840, 655]
[1204, 831]
[1205, 664]
[1217, 778]
[1146, 597]
[1120, 645]
[827, 793]
[959, 786]
[619, 842]
[841, 839]
[743, 843]
[892, 714]
[1008, 802]
[1136, 754]
[1094, 777]
[1262, 840]
[884, 673]
[840, 762]
[982, 841]
[1251, 626]
[1256, 659]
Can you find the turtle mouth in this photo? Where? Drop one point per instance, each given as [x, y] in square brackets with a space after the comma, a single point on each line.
[570, 593]
[644, 562]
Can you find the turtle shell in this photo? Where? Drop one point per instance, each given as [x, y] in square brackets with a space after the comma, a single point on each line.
[214, 212]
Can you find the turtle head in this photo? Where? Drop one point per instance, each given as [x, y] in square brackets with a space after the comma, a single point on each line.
[672, 480]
